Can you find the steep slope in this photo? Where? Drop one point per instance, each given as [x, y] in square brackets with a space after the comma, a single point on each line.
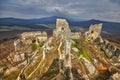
[88, 61]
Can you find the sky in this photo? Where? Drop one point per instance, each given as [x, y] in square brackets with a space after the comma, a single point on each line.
[107, 10]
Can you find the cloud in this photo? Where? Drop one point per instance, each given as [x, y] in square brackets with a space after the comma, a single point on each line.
[88, 9]
[116, 1]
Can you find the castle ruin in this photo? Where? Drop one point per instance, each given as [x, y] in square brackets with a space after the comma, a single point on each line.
[93, 32]
[62, 27]
[40, 36]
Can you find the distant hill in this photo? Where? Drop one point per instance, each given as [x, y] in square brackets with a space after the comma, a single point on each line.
[110, 27]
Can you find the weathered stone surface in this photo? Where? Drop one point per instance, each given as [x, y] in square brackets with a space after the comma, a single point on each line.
[19, 57]
[27, 37]
[75, 35]
[75, 49]
[115, 76]
[93, 32]
[62, 27]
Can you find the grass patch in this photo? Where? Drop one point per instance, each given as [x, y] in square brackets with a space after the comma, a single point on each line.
[83, 50]
[12, 76]
[84, 53]
[37, 46]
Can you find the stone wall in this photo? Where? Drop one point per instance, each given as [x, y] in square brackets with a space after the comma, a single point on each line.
[28, 37]
[33, 34]
[8, 54]
[75, 35]
[109, 49]
[93, 34]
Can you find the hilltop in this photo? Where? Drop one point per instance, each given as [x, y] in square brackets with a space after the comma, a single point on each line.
[65, 55]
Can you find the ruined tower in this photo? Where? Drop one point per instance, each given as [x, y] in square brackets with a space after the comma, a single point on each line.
[93, 32]
[62, 27]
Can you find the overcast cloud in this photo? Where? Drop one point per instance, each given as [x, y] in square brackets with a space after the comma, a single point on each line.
[82, 9]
